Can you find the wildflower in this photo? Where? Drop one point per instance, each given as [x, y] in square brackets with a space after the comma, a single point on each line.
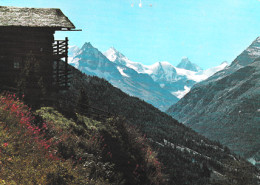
[5, 144]
[47, 146]
[44, 125]
[51, 156]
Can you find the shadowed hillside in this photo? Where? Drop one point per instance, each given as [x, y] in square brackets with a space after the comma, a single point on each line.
[188, 157]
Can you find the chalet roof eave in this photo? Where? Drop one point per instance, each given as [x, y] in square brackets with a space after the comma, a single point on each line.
[49, 28]
[34, 17]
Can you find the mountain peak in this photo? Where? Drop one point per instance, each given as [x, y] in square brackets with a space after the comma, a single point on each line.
[225, 62]
[87, 45]
[249, 55]
[186, 64]
[165, 63]
[255, 43]
[163, 72]
[112, 48]
[114, 56]
[185, 59]
[161, 65]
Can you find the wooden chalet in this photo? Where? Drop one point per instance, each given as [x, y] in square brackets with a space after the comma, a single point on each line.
[28, 34]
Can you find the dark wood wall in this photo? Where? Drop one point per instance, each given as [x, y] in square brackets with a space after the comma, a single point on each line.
[21, 41]
[20, 44]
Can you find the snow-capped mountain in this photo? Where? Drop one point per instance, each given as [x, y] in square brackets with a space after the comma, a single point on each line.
[186, 64]
[179, 81]
[176, 80]
[72, 52]
[171, 78]
[158, 84]
[162, 71]
[115, 56]
[92, 62]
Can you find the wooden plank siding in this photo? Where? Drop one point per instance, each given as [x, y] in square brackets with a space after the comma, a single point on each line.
[24, 41]
[17, 45]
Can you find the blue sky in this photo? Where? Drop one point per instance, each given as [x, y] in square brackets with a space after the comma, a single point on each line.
[208, 32]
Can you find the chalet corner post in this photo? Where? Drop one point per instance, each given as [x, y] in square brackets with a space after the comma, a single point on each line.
[29, 52]
[66, 63]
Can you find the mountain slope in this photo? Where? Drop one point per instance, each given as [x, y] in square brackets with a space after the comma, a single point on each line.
[46, 147]
[225, 107]
[92, 62]
[188, 157]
